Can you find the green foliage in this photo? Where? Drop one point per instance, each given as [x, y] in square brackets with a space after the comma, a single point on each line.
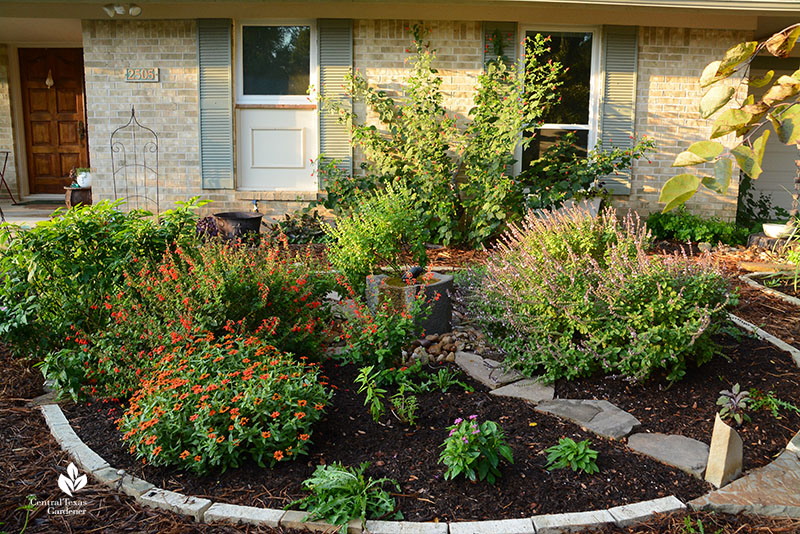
[578, 456]
[748, 118]
[759, 400]
[692, 527]
[733, 405]
[561, 173]
[340, 494]
[474, 450]
[419, 145]
[56, 275]
[681, 225]
[405, 406]
[571, 295]
[302, 226]
[752, 210]
[207, 405]
[444, 379]
[374, 395]
[381, 227]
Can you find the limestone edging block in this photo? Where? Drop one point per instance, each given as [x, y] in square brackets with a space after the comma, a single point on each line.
[725, 455]
[558, 523]
[630, 514]
[175, 502]
[234, 513]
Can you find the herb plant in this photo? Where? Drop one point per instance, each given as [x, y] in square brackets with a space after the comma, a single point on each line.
[405, 406]
[681, 225]
[374, 395]
[759, 400]
[578, 456]
[340, 494]
[733, 404]
[474, 450]
[445, 378]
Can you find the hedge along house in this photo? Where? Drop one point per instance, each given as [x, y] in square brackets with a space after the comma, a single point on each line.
[225, 84]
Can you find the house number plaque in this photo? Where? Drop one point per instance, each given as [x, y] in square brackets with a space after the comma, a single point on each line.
[141, 74]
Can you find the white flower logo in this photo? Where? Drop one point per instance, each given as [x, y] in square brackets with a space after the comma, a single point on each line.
[73, 483]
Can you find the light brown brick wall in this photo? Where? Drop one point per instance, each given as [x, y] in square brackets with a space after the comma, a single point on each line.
[6, 129]
[668, 96]
[379, 53]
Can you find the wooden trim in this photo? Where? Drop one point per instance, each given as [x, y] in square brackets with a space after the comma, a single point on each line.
[276, 106]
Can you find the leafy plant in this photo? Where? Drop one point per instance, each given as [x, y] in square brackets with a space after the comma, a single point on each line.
[683, 226]
[405, 406]
[420, 146]
[759, 400]
[367, 380]
[751, 211]
[733, 404]
[779, 106]
[445, 378]
[340, 494]
[571, 295]
[561, 173]
[377, 232]
[578, 456]
[692, 527]
[302, 226]
[474, 450]
[209, 403]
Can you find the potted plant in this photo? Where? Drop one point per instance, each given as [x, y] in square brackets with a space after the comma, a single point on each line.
[83, 176]
[367, 248]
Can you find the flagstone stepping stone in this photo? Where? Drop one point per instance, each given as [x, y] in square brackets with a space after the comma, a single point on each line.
[598, 416]
[686, 454]
[531, 389]
[772, 490]
[488, 372]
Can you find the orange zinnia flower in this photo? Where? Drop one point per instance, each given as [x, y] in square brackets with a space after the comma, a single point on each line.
[266, 435]
[278, 455]
[184, 455]
[198, 458]
[304, 437]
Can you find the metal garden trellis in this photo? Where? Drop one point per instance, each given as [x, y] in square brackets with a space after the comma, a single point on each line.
[134, 165]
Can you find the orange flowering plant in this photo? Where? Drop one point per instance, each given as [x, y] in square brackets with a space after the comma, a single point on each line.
[210, 403]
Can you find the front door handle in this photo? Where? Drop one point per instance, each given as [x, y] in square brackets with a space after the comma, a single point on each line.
[81, 130]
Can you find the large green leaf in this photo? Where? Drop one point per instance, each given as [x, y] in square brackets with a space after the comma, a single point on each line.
[709, 75]
[729, 121]
[714, 99]
[759, 147]
[735, 57]
[761, 82]
[678, 190]
[747, 161]
[699, 152]
[686, 158]
[787, 124]
[782, 42]
[721, 180]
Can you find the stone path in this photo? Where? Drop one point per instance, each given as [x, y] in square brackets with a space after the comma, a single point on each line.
[599, 416]
[686, 454]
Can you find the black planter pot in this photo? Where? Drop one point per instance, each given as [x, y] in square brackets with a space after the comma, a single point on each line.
[235, 224]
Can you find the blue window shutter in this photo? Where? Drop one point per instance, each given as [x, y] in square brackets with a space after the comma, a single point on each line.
[216, 103]
[504, 33]
[335, 61]
[618, 105]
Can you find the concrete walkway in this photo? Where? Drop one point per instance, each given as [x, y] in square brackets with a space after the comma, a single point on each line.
[28, 214]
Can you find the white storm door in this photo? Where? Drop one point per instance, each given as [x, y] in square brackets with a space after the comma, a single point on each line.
[277, 133]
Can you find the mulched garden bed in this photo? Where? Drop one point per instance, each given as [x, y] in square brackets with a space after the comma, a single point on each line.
[772, 314]
[410, 456]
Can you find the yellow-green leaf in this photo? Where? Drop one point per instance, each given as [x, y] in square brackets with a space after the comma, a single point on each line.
[781, 92]
[735, 57]
[787, 124]
[714, 99]
[759, 147]
[729, 121]
[699, 152]
[782, 42]
[687, 158]
[761, 82]
[747, 161]
[721, 180]
[709, 75]
[678, 190]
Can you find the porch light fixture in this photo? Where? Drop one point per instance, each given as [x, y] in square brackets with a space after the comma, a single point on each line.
[49, 81]
[122, 9]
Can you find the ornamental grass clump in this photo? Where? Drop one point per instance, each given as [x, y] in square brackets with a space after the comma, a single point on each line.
[569, 295]
[210, 403]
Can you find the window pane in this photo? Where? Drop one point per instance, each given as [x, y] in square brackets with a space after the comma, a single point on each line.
[573, 50]
[545, 138]
[276, 59]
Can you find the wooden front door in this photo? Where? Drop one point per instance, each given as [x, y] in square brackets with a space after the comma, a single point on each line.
[55, 116]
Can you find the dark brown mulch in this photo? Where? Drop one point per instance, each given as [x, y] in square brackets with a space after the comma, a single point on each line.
[410, 456]
[19, 379]
[688, 407]
[774, 315]
[437, 257]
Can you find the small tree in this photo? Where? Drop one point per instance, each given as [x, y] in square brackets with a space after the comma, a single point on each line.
[779, 106]
[420, 145]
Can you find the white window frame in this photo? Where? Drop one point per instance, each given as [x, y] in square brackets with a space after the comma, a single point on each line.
[313, 68]
[595, 81]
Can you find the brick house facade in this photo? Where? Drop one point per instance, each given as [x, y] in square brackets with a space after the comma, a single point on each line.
[672, 45]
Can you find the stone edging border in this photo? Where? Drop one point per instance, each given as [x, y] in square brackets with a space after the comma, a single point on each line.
[204, 510]
[748, 279]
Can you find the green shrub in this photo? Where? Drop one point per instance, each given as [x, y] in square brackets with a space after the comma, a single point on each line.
[216, 288]
[681, 225]
[56, 275]
[578, 456]
[474, 450]
[208, 404]
[570, 295]
[340, 494]
[377, 232]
